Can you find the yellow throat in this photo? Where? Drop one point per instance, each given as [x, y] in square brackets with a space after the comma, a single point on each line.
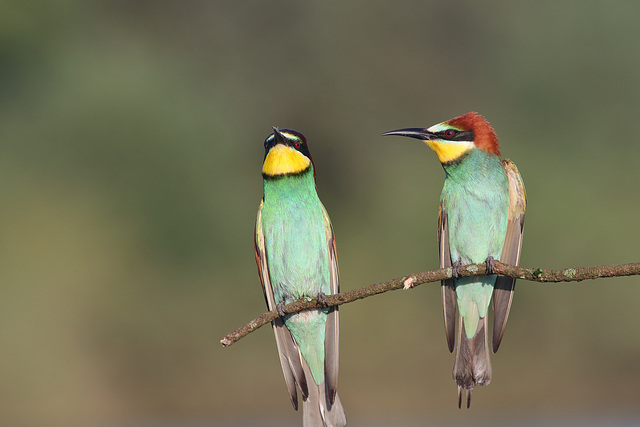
[448, 152]
[283, 160]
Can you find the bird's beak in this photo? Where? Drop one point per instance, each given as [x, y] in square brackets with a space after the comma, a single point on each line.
[418, 133]
[279, 135]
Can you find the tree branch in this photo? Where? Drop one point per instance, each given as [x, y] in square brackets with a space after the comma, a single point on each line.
[531, 274]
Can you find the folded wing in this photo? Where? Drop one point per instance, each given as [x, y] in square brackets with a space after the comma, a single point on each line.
[504, 287]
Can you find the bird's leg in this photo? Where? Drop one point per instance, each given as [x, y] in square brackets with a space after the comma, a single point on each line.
[322, 299]
[280, 308]
[455, 269]
[490, 265]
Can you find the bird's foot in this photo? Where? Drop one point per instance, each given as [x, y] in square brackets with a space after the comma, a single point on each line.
[280, 308]
[490, 264]
[322, 299]
[455, 269]
[408, 283]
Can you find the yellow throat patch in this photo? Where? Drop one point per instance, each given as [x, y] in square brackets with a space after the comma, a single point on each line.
[283, 160]
[448, 152]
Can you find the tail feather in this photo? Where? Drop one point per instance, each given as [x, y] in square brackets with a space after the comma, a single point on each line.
[472, 365]
[316, 409]
[317, 412]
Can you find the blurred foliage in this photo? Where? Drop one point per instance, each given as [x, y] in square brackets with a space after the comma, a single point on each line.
[130, 152]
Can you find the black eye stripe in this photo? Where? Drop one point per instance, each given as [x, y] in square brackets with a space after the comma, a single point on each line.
[457, 135]
[290, 138]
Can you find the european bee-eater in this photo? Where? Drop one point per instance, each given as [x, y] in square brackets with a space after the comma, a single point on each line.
[296, 255]
[481, 219]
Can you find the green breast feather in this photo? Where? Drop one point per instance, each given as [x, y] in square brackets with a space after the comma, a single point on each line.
[297, 254]
[476, 199]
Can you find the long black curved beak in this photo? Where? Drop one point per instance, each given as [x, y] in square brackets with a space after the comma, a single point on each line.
[279, 135]
[417, 133]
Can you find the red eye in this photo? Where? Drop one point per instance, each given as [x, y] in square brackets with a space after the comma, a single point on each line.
[297, 144]
[448, 133]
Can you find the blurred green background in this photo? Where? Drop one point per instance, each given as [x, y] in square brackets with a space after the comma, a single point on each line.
[130, 153]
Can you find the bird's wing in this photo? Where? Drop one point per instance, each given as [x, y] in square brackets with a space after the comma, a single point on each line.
[503, 290]
[332, 333]
[288, 351]
[448, 285]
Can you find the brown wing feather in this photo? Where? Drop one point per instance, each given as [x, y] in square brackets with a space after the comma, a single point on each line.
[290, 358]
[332, 331]
[449, 300]
[504, 287]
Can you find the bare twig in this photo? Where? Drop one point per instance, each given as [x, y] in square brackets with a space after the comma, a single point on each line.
[531, 274]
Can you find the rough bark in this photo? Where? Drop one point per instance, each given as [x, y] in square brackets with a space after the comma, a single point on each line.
[531, 274]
